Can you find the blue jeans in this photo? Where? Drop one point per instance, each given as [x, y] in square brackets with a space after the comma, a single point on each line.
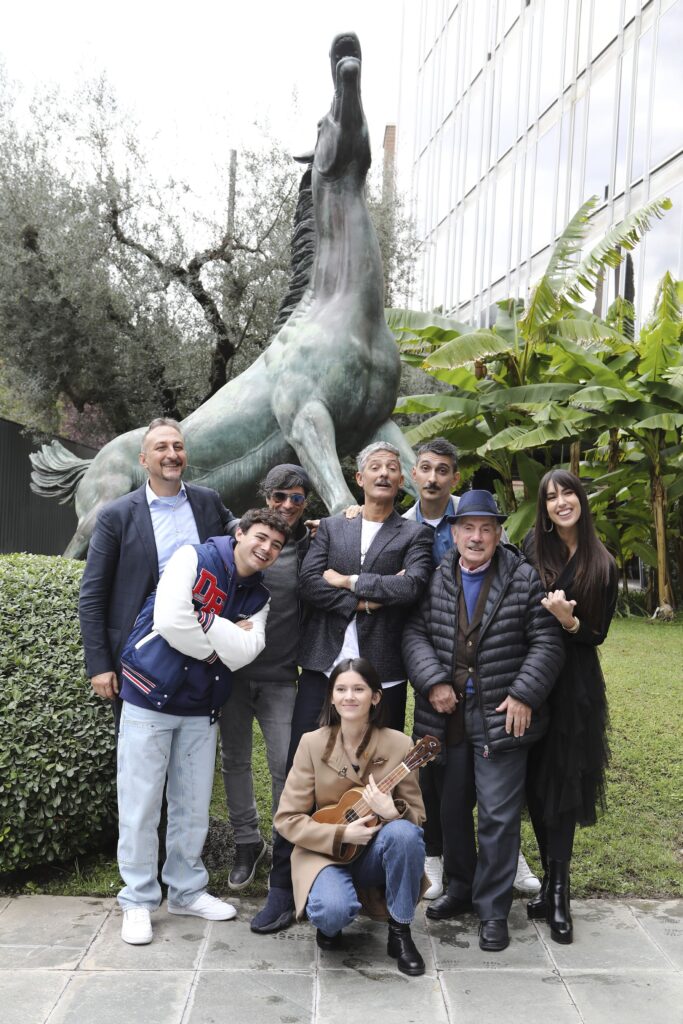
[272, 704]
[155, 748]
[394, 859]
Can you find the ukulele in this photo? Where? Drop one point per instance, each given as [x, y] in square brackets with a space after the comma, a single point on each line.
[352, 806]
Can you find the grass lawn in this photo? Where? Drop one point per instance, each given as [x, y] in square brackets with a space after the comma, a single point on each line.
[636, 849]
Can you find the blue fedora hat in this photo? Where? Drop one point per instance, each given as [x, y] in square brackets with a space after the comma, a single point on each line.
[478, 503]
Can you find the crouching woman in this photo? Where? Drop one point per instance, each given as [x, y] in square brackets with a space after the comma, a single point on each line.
[385, 876]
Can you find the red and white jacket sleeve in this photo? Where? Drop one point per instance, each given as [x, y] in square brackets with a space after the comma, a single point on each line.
[176, 620]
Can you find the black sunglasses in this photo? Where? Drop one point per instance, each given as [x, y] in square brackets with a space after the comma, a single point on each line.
[281, 497]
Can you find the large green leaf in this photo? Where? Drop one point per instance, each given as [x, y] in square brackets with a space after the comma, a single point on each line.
[610, 251]
[660, 339]
[519, 438]
[437, 403]
[545, 297]
[662, 421]
[520, 522]
[429, 325]
[479, 344]
[467, 437]
[527, 395]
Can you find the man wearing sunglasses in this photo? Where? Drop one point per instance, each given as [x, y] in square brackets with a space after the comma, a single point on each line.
[266, 688]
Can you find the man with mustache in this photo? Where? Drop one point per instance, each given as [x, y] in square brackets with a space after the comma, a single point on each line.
[358, 581]
[482, 659]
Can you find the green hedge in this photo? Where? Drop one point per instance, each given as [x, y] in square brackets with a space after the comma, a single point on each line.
[57, 759]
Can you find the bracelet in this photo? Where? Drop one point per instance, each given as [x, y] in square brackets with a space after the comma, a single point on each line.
[368, 610]
[572, 629]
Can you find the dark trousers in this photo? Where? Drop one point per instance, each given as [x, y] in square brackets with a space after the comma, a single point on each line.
[310, 698]
[431, 786]
[496, 785]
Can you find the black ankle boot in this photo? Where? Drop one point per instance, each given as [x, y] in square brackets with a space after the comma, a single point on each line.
[401, 947]
[559, 916]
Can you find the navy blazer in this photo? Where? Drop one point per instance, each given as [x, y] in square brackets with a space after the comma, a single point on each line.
[399, 544]
[122, 569]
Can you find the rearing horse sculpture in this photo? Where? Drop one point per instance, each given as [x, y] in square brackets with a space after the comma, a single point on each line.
[326, 384]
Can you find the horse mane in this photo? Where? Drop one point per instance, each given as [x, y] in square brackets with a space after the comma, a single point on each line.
[302, 247]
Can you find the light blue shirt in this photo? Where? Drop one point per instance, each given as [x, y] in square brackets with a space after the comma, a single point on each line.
[173, 523]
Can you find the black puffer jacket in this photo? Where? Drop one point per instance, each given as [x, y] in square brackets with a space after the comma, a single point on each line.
[520, 647]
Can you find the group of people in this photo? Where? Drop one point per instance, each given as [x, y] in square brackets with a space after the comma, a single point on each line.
[194, 622]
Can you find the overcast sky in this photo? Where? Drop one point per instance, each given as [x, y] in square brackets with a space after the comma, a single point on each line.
[198, 75]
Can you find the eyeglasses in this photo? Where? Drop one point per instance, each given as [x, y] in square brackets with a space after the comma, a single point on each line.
[280, 497]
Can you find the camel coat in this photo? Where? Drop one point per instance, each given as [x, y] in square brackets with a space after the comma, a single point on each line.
[319, 776]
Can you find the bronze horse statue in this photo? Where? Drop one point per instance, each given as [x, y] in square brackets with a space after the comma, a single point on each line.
[326, 384]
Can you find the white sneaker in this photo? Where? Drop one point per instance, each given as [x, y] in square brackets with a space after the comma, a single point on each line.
[525, 880]
[434, 872]
[136, 928]
[206, 906]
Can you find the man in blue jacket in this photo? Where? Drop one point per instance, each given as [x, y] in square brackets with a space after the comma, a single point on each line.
[210, 609]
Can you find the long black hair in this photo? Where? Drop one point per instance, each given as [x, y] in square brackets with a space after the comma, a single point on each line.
[592, 560]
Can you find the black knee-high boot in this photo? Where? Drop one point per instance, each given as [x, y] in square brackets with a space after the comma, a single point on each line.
[558, 897]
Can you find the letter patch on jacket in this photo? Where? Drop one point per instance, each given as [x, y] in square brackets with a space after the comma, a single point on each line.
[208, 594]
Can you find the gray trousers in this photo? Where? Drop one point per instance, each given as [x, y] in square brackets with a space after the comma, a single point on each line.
[272, 705]
[496, 785]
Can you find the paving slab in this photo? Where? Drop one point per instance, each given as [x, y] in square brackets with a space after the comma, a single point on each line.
[177, 944]
[663, 922]
[381, 995]
[236, 947]
[456, 944]
[29, 998]
[633, 997]
[364, 948]
[49, 931]
[133, 997]
[265, 997]
[534, 997]
[607, 937]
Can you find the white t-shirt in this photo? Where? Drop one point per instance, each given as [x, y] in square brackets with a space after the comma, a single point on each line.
[349, 647]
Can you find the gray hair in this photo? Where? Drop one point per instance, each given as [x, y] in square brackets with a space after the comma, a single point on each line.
[376, 446]
[160, 421]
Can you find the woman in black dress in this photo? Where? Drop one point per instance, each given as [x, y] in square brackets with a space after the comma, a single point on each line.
[566, 770]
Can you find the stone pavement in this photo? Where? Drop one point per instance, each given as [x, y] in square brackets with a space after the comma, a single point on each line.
[62, 962]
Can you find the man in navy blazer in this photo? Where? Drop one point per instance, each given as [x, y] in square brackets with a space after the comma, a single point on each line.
[133, 539]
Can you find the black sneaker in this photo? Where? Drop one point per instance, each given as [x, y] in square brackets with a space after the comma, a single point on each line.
[247, 857]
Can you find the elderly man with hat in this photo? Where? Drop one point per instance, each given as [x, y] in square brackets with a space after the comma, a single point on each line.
[482, 654]
[266, 689]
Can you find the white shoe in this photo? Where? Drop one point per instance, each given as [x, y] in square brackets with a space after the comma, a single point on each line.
[525, 880]
[136, 928]
[434, 872]
[206, 906]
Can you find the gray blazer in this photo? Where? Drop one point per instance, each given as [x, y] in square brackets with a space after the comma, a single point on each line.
[399, 544]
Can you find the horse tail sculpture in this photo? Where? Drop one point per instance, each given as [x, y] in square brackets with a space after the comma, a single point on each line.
[57, 472]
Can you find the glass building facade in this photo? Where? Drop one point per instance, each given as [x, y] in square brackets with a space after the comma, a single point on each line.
[512, 113]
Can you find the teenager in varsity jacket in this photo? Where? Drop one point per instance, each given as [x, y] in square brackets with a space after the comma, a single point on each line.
[210, 610]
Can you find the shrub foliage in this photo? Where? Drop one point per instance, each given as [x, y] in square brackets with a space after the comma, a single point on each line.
[57, 760]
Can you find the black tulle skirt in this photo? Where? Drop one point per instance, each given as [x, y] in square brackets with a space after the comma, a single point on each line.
[567, 767]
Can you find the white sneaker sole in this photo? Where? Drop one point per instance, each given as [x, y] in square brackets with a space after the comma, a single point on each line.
[138, 940]
[207, 916]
